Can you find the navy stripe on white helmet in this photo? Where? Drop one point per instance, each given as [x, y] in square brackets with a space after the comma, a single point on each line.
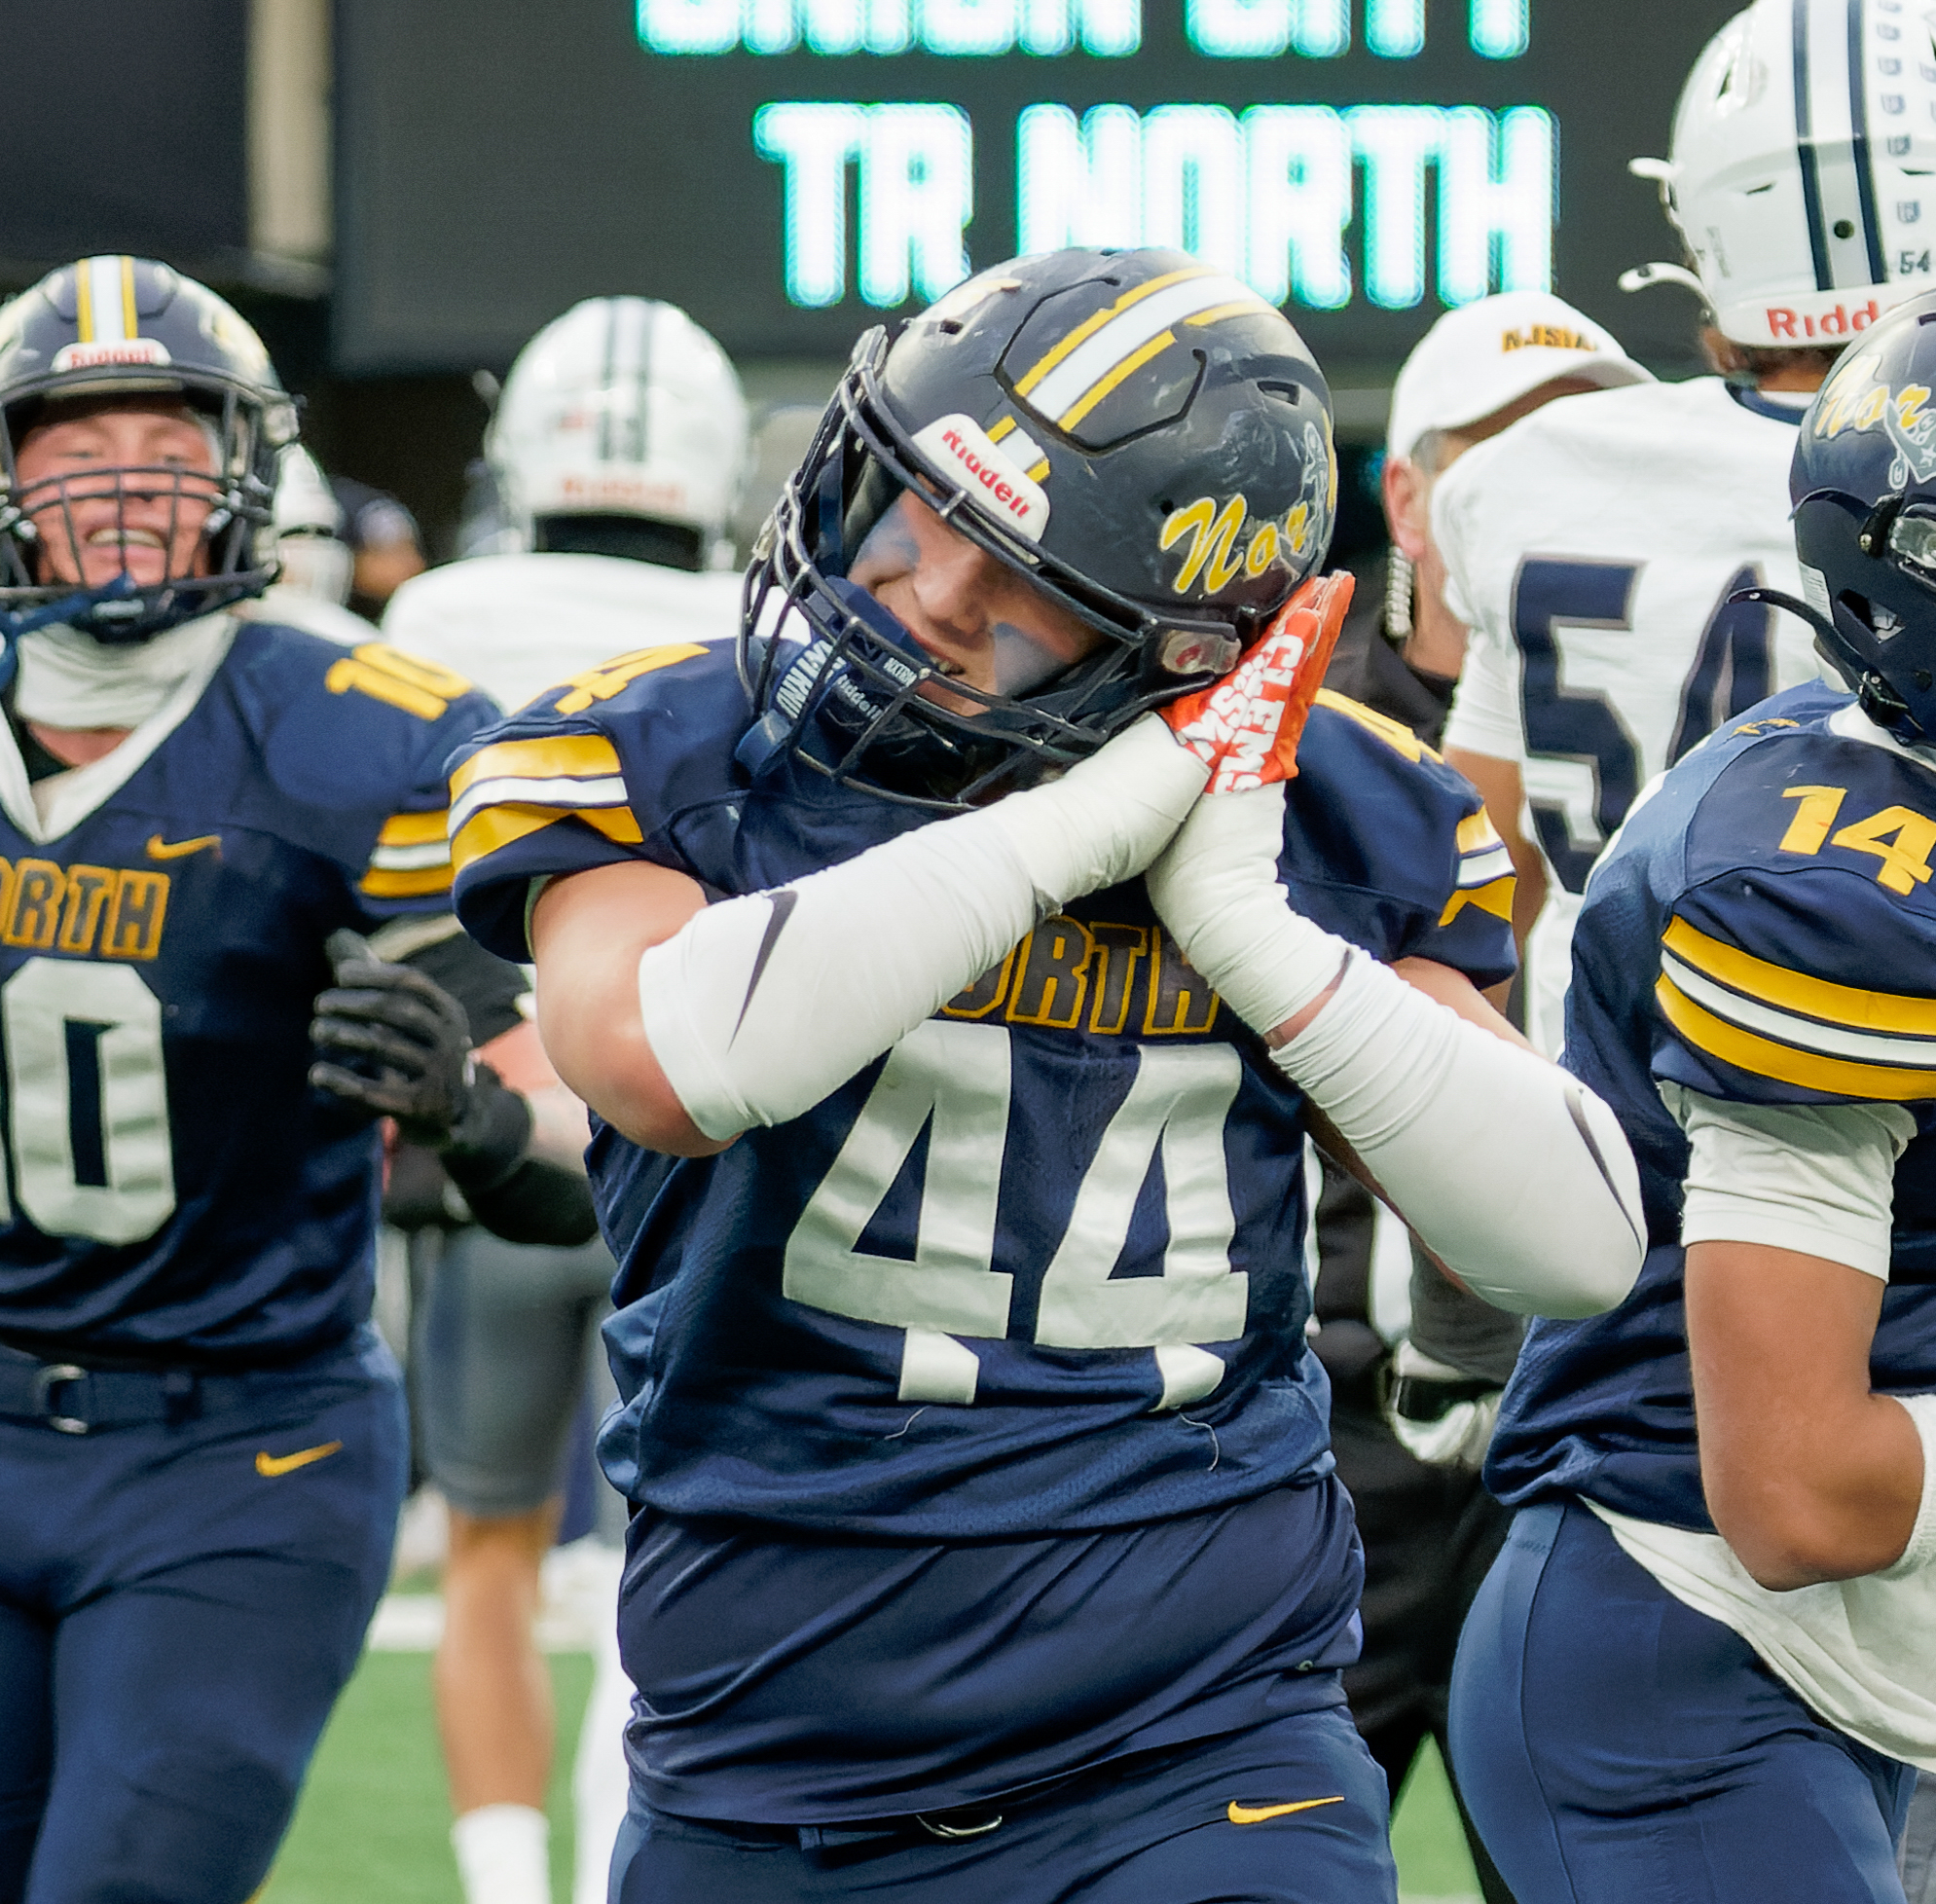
[621, 407]
[1804, 171]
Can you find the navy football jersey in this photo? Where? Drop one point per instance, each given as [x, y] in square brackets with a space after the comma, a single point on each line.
[1763, 932]
[174, 1191]
[1036, 1269]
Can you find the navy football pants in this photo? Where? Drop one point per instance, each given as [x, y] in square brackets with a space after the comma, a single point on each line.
[175, 1624]
[1614, 1744]
[1155, 1828]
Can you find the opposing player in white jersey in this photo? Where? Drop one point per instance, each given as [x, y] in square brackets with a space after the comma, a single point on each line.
[1593, 548]
[617, 451]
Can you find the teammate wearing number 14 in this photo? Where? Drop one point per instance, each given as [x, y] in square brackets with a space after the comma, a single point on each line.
[986, 1543]
[1593, 548]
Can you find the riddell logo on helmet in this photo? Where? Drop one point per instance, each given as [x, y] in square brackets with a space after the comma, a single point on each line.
[94, 356]
[959, 446]
[1794, 327]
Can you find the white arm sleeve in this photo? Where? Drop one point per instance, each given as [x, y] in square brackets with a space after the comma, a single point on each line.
[758, 1006]
[1512, 1173]
[1817, 1178]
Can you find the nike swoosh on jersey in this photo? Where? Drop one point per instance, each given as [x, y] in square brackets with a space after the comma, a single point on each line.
[271, 1465]
[161, 849]
[1257, 1814]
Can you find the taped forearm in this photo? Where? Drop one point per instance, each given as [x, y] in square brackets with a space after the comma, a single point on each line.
[759, 1006]
[1513, 1174]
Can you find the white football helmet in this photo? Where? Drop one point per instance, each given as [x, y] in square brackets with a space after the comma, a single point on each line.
[621, 407]
[1804, 169]
[308, 530]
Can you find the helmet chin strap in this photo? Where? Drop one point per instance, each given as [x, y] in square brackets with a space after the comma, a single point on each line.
[51, 614]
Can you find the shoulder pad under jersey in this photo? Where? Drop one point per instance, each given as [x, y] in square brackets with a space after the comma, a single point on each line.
[594, 771]
[1798, 963]
[1389, 847]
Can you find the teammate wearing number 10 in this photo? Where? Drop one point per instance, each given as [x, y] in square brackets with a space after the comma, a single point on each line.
[986, 1541]
[201, 1443]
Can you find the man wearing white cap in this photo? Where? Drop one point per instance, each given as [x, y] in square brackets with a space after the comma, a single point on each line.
[1478, 369]
[1428, 1528]
[1591, 549]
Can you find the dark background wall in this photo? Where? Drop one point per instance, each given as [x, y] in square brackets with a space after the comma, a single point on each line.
[496, 160]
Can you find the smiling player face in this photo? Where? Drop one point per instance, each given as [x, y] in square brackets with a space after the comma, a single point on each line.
[111, 488]
[977, 620]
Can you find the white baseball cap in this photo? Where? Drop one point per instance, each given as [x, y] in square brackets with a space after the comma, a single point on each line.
[1482, 356]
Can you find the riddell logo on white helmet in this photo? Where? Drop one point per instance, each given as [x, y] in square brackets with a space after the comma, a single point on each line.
[1786, 325]
[960, 447]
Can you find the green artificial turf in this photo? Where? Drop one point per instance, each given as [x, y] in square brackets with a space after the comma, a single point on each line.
[375, 1819]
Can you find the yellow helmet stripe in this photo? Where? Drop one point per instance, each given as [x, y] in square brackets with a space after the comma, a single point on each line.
[130, 322]
[83, 300]
[1090, 325]
[1103, 386]
[1068, 387]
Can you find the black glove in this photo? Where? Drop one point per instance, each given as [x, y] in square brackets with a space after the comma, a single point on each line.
[404, 1041]
[406, 1047]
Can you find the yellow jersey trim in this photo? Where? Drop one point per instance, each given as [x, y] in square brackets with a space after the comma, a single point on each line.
[1476, 833]
[380, 883]
[503, 826]
[414, 829]
[545, 758]
[1494, 897]
[1765, 1058]
[1795, 991]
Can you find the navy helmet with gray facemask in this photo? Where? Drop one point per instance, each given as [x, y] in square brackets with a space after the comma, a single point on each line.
[112, 326]
[1864, 489]
[1145, 440]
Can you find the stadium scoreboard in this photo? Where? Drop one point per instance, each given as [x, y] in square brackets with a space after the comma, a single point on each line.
[792, 170]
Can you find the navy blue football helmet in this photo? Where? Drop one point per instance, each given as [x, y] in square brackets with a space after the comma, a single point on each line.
[1864, 489]
[1146, 441]
[113, 326]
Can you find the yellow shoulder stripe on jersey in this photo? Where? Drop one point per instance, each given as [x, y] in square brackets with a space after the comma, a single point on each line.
[497, 827]
[412, 857]
[1394, 733]
[1477, 833]
[551, 756]
[1494, 897]
[382, 884]
[1765, 1058]
[414, 829]
[1796, 990]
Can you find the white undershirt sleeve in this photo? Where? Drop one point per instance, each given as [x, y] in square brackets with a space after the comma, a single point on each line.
[1816, 1177]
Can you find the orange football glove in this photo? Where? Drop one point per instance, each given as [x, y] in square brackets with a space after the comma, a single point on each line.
[1247, 726]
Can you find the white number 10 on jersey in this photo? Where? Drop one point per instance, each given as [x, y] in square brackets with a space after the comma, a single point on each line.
[958, 1076]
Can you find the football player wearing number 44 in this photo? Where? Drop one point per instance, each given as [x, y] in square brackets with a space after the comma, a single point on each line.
[986, 1541]
[201, 1440]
